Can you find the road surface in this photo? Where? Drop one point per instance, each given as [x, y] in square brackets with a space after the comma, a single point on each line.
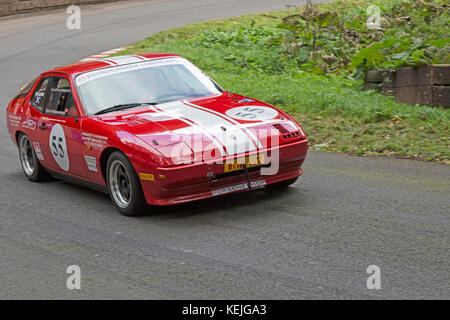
[315, 240]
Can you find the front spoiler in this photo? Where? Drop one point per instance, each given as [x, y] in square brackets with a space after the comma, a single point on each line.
[180, 184]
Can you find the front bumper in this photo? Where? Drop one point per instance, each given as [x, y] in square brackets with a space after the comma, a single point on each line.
[179, 184]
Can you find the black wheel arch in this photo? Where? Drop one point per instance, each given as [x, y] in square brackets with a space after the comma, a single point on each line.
[104, 159]
[17, 135]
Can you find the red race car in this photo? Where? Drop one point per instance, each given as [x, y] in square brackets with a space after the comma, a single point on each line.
[151, 129]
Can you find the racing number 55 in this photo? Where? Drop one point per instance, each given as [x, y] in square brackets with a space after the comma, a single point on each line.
[250, 113]
[57, 146]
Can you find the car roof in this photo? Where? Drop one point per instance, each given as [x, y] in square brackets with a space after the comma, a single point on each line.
[83, 66]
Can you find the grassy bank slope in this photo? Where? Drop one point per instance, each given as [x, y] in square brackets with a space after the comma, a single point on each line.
[257, 56]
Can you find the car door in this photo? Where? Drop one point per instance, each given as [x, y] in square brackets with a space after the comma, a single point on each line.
[33, 114]
[59, 129]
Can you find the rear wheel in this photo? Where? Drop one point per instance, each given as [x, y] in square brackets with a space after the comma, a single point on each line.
[124, 186]
[29, 161]
[282, 184]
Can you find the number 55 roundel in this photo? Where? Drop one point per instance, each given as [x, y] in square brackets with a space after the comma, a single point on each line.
[58, 147]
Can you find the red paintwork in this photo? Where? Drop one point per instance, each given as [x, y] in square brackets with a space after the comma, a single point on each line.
[133, 131]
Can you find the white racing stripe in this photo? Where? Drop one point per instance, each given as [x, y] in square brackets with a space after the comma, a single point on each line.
[169, 111]
[103, 54]
[142, 57]
[235, 140]
[121, 60]
[231, 120]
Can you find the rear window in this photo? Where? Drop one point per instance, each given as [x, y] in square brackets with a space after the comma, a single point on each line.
[25, 89]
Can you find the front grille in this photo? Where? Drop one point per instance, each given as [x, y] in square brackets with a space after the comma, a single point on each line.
[253, 173]
[239, 172]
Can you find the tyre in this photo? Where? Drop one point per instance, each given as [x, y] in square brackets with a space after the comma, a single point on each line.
[30, 164]
[124, 186]
[281, 184]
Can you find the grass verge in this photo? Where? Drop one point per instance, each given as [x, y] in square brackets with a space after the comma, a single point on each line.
[244, 55]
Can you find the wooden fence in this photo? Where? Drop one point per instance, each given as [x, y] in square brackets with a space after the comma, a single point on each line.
[424, 85]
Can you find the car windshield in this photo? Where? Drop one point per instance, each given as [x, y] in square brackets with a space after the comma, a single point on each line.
[151, 81]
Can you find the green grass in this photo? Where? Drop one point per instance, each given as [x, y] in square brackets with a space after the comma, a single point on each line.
[247, 55]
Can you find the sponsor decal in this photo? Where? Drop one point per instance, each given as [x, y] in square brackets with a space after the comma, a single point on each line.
[147, 176]
[239, 187]
[246, 100]
[252, 113]
[38, 97]
[93, 140]
[14, 120]
[93, 75]
[38, 151]
[91, 163]
[29, 124]
[53, 119]
[58, 147]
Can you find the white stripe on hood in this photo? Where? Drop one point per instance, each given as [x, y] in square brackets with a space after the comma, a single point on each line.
[215, 127]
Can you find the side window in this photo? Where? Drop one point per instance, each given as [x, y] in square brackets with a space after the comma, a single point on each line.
[60, 102]
[39, 95]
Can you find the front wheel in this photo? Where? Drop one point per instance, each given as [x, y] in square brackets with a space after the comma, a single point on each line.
[124, 186]
[281, 184]
[30, 164]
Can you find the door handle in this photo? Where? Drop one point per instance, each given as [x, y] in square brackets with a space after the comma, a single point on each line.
[42, 126]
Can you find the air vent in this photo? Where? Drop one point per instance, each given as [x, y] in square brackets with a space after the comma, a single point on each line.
[288, 130]
[292, 135]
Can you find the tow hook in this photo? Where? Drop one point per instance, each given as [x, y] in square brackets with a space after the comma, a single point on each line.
[211, 176]
[248, 177]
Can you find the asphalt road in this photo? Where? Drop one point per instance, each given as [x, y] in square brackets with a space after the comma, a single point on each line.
[314, 240]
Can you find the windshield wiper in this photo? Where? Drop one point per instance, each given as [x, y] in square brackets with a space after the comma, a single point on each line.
[123, 107]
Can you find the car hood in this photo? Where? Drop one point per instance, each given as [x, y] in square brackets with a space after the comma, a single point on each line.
[207, 128]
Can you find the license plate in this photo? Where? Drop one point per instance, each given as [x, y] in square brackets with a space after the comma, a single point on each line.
[250, 161]
[239, 187]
